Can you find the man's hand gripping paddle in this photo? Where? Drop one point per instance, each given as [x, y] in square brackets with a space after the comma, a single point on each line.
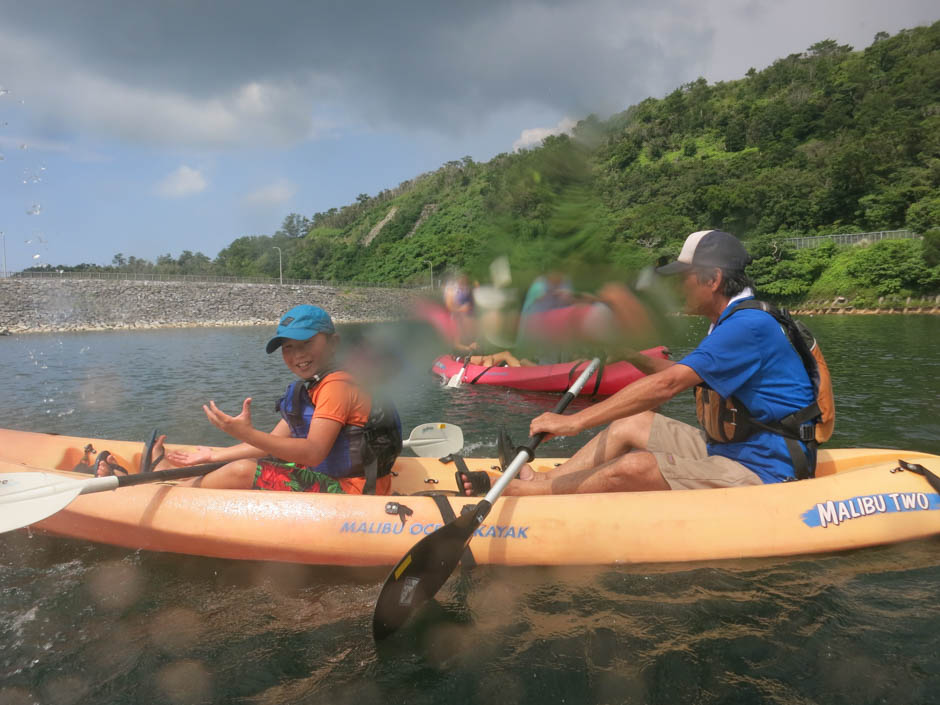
[425, 568]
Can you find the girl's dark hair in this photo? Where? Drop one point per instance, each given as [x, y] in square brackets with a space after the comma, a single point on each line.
[733, 281]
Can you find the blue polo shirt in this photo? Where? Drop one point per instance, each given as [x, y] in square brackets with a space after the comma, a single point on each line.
[749, 356]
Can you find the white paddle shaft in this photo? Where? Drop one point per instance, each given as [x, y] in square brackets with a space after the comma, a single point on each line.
[524, 455]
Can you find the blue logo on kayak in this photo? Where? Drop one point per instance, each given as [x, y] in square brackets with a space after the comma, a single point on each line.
[394, 527]
[834, 512]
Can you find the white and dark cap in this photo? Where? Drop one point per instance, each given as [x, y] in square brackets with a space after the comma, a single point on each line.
[709, 249]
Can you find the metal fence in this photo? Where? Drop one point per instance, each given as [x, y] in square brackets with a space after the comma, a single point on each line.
[208, 278]
[800, 243]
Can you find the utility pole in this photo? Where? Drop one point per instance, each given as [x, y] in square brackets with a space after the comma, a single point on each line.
[280, 272]
[430, 272]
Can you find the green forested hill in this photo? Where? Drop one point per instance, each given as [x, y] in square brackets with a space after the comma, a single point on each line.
[830, 140]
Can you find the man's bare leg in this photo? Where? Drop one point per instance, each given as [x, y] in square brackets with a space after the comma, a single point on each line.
[618, 439]
[636, 471]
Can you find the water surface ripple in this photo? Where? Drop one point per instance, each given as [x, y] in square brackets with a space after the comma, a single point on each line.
[83, 623]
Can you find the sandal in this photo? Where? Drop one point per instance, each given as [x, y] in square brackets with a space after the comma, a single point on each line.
[147, 461]
[478, 479]
[85, 465]
[113, 467]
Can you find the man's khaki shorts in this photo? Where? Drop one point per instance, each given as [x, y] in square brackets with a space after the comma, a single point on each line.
[684, 461]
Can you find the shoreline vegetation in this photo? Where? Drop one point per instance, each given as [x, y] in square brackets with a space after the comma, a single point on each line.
[69, 306]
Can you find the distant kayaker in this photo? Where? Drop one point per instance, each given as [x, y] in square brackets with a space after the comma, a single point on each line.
[458, 299]
[470, 335]
[745, 355]
[549, 291]
[332, 437]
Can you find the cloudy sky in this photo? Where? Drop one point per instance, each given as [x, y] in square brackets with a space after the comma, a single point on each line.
[157, 126]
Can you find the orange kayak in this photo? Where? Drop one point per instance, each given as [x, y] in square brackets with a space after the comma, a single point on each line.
[858, 499]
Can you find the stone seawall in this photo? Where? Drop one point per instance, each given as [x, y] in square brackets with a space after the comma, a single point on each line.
[45, 305]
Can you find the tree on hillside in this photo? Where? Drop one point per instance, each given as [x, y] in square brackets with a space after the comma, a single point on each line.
[931, 248]
[295, 226]
[194, 263]
[242, 257]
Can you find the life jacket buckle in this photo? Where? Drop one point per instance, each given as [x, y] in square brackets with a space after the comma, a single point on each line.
[807, 432]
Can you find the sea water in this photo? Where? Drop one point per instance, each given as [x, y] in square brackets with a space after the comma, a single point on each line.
[86, 623]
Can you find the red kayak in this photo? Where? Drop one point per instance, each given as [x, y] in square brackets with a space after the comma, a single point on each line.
[546, 378]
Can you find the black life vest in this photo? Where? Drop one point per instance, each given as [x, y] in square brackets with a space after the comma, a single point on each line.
[730, 421]
[366, 451]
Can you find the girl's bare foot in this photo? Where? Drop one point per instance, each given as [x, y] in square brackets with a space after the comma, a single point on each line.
[108, 465]
[159, 454]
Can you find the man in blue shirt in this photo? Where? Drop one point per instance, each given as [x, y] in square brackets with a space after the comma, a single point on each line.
[746, 355]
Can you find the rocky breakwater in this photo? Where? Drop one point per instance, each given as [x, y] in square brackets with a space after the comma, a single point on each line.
[57, 305]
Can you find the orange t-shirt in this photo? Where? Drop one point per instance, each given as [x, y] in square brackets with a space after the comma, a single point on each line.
[340, 399]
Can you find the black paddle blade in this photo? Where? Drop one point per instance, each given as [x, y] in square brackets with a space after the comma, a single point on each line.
[424, 569]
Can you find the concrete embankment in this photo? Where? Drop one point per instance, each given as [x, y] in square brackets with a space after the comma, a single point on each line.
[48, 305]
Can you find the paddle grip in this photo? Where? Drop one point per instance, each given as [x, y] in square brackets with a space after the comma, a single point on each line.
[530, 445]
[175, 474]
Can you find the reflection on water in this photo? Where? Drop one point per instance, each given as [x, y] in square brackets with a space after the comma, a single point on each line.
[83, 623]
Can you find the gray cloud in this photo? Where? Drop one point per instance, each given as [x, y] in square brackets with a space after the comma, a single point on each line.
[225, 72]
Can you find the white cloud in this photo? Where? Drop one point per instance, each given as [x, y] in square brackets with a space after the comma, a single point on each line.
[533, 136]
[273, 194]
[183, 182]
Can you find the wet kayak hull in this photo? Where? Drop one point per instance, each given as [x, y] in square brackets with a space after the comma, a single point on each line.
[858, 500]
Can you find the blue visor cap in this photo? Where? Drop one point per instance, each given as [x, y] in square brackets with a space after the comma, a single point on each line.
[301, 323]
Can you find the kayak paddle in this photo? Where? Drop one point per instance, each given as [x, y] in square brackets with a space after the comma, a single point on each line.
[29, 497]
[435, 440]
[425, 568]
[455, 380]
